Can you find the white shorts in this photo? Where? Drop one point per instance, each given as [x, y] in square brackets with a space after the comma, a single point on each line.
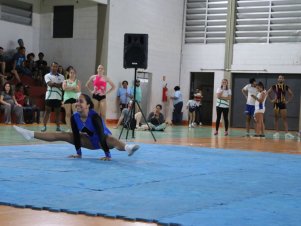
[259, 111]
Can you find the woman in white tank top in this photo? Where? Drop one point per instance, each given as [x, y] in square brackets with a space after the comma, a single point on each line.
[260, 109]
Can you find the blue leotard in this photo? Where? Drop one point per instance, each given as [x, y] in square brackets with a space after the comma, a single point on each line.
[94, 127]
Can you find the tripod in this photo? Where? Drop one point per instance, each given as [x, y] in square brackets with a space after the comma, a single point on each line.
[129, 120]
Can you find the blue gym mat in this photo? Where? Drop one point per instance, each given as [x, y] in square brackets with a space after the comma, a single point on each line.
[171, 185]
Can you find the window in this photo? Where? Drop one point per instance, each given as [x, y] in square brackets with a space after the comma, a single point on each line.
[205, 21]
[16, 12]
[63, 21]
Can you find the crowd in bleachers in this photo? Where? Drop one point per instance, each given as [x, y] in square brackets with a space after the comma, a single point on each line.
[16, 69]
[18, 63]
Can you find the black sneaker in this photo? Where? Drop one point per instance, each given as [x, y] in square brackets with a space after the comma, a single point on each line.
[58, 129]
[256, 136]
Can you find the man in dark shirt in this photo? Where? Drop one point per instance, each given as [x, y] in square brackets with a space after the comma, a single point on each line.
[280, 91]
[40, 68]
[18, 67]
[156, 119]
[41, 63]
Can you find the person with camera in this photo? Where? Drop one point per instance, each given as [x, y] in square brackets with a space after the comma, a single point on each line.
[126, 119]
[155, 120]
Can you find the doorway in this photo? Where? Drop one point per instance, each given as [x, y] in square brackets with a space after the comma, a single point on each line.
[205, 82]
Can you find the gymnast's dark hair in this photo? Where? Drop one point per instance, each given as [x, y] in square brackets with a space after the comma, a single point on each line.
[260, 84]
[88, 100]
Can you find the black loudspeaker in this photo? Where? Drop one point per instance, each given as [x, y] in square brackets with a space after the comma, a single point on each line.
[135, 50]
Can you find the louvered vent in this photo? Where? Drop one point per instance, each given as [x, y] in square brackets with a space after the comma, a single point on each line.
[268, 21]
[205, 21]
[17, 12]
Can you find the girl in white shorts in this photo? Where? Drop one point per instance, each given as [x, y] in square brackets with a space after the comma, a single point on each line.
[260, 109]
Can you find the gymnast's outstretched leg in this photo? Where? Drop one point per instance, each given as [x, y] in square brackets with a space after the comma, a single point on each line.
[112, 142]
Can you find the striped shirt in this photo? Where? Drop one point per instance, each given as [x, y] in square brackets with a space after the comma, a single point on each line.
[54, 93]
[221, 102]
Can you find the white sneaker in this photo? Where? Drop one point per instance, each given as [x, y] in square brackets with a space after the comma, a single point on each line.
[276, 135]
[131, 148]
[289, 136]
[141, 128]
[27, 134]
[200, 124]
[189, 126]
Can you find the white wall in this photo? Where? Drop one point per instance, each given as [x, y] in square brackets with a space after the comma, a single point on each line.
[274, 58]
[79, 51]
[162, 21]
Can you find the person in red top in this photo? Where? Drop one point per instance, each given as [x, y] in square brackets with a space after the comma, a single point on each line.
[99, 91]
[280, 91]
[29, 109]
[19, 94]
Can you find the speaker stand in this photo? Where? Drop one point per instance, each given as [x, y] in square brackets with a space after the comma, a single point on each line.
[131, 114]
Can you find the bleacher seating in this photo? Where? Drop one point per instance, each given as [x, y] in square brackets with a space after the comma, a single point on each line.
[37, 94]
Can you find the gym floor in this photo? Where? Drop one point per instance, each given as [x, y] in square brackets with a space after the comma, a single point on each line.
[177, 135]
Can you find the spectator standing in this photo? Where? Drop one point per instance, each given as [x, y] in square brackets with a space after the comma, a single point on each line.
[282, 96]
[99, 91]
[178, 105]
[223, 95]
[191, 107]
[259, 98]
[72, 88]
[123, 95]
[53, 98]
[138, 96]
[198, 96]
[249, 91]
[61, 70]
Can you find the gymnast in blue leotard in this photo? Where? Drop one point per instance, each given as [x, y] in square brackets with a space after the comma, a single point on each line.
[94, 128]
[88, 131]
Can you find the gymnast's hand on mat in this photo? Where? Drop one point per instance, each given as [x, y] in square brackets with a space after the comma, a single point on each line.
[75, 156]
[105, 159]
